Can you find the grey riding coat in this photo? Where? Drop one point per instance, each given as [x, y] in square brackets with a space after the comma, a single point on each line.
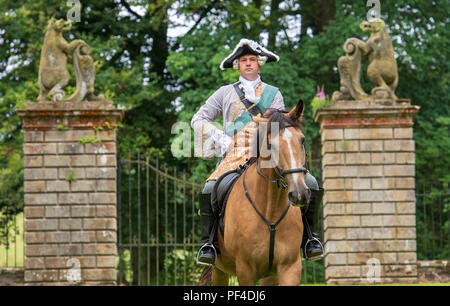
[224, 102]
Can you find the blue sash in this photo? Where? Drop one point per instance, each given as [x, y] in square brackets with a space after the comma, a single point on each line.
[240, 122]
[264, 103]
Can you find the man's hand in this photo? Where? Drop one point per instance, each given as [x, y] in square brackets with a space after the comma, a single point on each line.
[225, 144]
[221, 140]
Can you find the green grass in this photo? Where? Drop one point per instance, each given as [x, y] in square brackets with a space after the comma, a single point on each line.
[14, 255]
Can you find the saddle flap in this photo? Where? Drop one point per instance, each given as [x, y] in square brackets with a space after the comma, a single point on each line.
[221, 189]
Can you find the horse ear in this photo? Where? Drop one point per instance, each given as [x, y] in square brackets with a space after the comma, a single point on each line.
[297, 112]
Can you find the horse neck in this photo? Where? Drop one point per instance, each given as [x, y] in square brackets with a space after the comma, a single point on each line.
[269, 198]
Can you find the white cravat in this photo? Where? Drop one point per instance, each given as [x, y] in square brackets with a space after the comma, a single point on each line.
[249, 88]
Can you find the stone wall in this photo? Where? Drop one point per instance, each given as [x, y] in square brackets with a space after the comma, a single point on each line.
[433, 271]
[70, 192]
[368, 165]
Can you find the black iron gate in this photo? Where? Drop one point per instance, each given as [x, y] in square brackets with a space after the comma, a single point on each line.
[433, 221]
[11, 232]
[159, 227]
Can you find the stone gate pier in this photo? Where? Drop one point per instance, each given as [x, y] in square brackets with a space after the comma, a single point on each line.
[70, 192]
[368, 166]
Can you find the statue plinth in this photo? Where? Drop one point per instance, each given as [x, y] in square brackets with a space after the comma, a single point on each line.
[368, 168]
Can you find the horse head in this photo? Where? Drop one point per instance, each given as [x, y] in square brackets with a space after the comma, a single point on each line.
[288, 149]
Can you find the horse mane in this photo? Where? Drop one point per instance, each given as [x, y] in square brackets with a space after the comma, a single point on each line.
[276, 115]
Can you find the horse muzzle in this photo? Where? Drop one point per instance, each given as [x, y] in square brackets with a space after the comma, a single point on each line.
[299, 199]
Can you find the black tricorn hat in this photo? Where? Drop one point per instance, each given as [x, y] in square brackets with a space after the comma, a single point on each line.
[247, 46]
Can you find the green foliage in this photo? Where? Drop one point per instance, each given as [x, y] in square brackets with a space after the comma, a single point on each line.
[89, 139]
[179, 263]
[122, 46]
[312, 272]
[430, 144]
[317, 103]
[107, 126]
[71, 177]
[124, 262]
[418, 33]
[143, 71]
[11, 238]
[433, 224]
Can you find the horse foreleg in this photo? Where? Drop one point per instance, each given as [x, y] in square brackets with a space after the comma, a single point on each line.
[290, 275]
[245, 274]
[219, 278]
[270, 281]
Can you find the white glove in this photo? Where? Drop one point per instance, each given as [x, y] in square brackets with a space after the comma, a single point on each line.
[226, 141]
[222, 140]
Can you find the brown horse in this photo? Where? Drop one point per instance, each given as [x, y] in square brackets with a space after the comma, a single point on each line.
[263, 232]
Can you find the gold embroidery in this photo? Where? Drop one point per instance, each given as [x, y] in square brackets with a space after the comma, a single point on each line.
[236, 108]
[239, 154]
[241, 151]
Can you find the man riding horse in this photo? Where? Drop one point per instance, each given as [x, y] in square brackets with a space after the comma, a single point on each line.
[251, 95]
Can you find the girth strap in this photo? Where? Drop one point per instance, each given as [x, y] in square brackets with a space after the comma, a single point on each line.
[272, 226]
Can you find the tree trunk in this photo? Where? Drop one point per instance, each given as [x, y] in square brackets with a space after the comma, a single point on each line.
[325, 10]
[160, 49]
[317, 15]
[274, 24]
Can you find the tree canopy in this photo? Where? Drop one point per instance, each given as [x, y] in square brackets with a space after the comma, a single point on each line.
[159, 61]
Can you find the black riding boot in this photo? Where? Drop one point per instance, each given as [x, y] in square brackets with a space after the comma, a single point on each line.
[311, 245]
[207, 253]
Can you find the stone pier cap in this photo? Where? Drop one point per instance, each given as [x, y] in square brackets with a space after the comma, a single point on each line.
[76, 115]
[374, 113]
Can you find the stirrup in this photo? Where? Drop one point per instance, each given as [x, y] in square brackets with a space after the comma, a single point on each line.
[314, 258]
[200, 251]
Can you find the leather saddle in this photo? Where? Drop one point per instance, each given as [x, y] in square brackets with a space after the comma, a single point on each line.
[220, 194]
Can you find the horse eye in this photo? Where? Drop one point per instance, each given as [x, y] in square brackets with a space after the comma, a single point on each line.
[302, 141]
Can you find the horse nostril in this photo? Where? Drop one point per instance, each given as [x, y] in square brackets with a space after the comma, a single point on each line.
[293, 196]
[300, 198]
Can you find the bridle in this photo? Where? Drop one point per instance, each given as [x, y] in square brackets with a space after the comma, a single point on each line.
[281, 181]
